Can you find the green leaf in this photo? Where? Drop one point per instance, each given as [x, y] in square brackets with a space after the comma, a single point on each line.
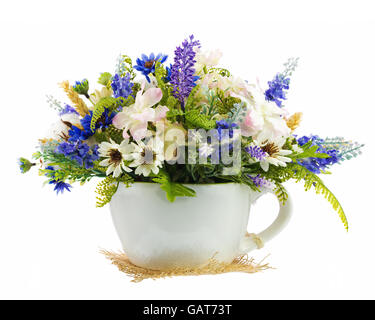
[172, 189]
[310, 152]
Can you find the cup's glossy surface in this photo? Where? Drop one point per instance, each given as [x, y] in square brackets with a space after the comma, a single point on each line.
[158, 234]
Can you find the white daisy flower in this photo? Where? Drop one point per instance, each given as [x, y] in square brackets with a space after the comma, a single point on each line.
[148, 157]
[273, 154]
[206, 149]
[115, 155]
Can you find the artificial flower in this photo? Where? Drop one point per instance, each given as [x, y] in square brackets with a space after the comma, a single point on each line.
[84, 132]
[276, 92]
[183, 76]
[206, 59]
[99, 94]
[68, 110]
[272, 154]
[148, 157]
[264, 120]
[136, 117]
[115, 156]
[82, 87]
[318, 165]
[25, 165]
[231, 86]
[80, 152]
[60, 185]
[146, 65]
[59, 131]
[122, 87]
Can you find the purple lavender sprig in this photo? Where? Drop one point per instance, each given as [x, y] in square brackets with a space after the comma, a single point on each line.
[258, 180]
[256, 152]
[182, 72]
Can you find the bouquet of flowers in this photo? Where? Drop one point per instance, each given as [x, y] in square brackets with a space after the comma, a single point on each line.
[188, 122]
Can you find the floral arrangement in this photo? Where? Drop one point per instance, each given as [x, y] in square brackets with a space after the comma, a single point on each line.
[189, 122]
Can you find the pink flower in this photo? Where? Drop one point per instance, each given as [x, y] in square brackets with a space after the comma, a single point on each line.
[136, 117]
[252, 123]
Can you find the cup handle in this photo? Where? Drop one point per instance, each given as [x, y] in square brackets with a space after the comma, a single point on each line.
[252, 241]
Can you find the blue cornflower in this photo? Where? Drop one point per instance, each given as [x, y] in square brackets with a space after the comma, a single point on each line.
[68, 109]
[82, 87]
[317, 165]
[256, 152]
[258, 180]
[182, 73]
[60, 185]
[146, 65]
[121, 86]
[167, 78]
[275, 92]
[103, 122]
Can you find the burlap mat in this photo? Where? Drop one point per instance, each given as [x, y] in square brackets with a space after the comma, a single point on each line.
[240, 264]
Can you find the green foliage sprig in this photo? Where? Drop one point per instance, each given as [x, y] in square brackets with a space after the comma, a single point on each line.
[223, 72]
[195, 119]
[125, 65]
[298, 173]
[108, 187]
[309, 151]
[67, 169]
[237, 113]
[172, 189]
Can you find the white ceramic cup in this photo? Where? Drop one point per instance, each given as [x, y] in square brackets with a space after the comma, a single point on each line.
[160, 235]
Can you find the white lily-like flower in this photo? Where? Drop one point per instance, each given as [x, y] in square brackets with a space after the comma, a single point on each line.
[115, 155]
[148, 157]
[136, 117]
[206, 58]
[264, 120]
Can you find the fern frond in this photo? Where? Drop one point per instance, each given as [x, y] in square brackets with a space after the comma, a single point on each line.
[195, 119]
[281, 193]
[108, 187]
[312, 180]
[109, 103]
[79, 104]
[105, 190]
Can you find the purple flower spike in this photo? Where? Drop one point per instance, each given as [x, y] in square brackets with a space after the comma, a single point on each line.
[258, 180]
[256, 152]
[182, 72]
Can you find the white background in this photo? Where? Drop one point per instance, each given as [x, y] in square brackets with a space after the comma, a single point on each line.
[49, 244]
